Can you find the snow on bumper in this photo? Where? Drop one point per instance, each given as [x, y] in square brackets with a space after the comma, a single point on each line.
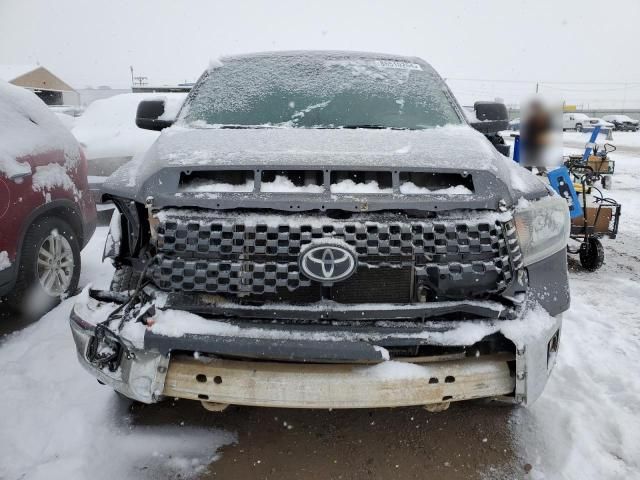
[147, 373]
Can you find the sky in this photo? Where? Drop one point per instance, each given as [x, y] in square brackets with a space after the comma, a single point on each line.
[584, 51]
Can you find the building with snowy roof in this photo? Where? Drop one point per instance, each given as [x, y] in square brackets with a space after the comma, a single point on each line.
[50, 88]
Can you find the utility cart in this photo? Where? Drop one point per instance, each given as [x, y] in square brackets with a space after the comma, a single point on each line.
[596, 163]
[601, 216]
[594, 160]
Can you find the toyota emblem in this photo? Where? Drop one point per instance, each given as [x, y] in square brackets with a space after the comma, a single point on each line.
[328, 263]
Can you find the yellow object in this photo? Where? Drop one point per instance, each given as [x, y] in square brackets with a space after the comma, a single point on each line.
[578, 188]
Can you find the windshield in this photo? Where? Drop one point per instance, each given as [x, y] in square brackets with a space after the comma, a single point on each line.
[318, 91]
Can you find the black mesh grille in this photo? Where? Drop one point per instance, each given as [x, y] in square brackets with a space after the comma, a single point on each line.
[243, 255]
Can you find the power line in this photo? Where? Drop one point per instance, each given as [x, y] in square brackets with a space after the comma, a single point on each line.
[490, 80]
[617, 89]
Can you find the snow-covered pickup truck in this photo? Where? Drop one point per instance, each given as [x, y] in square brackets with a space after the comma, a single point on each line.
[325, 230]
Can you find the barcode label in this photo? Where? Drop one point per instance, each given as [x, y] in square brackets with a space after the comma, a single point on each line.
[398, 64]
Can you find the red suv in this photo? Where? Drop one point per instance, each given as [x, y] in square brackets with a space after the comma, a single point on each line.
[47, 214]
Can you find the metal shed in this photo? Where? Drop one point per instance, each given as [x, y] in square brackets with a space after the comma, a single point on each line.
[50, 88]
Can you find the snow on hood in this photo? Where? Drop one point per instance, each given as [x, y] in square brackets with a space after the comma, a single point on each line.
[450, 147]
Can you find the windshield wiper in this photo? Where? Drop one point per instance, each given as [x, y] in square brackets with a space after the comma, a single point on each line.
[240, 127]
[374, 126]
[321, 127]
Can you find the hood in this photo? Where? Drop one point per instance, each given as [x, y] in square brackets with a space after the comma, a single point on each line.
[456, 147]
[444, 149]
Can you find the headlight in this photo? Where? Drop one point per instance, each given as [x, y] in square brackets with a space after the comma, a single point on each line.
[543, 227]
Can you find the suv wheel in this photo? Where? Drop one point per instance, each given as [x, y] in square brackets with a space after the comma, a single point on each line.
[49, 266]
[578, 127]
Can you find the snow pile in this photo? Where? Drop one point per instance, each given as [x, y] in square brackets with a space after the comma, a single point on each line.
[201, 185]
[349, 186]
[58, 423]
[4, 260]
[67, 120]
[410, 188]
[282, 184]
[27, 127]
[107, 128]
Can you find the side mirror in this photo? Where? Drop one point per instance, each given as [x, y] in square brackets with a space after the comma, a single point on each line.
[492, 117]
[149, 113]
[491, 111]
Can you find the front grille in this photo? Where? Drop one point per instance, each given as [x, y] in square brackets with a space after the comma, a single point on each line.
[258, 256]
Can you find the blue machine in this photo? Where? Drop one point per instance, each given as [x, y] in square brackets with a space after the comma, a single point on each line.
[592, 141]
[516, 148]
[560, 181]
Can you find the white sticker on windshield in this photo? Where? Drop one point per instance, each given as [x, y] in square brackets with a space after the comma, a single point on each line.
[398, 64]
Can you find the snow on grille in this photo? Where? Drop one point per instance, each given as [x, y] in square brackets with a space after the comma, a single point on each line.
[226, 255]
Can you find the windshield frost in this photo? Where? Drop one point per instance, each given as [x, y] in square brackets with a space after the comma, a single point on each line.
[320, 92]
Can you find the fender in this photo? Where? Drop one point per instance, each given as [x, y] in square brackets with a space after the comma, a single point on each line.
[83, 230]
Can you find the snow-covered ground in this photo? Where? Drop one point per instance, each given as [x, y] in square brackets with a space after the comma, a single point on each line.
[586, 425]
[623, 140]
[57, 422]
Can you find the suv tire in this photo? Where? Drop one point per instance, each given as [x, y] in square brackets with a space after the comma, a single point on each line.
[50, 254]
[578, 127]
[591, 254]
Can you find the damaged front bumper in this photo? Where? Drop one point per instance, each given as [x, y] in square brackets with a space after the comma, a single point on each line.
[326, 365]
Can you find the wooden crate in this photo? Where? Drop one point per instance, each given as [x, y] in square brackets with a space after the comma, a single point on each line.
[598, 164]
[599, 226]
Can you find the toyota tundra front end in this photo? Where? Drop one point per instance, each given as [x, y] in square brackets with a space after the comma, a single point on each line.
[324, 230]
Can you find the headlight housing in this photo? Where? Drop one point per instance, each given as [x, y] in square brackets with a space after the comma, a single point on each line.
[543, 227]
